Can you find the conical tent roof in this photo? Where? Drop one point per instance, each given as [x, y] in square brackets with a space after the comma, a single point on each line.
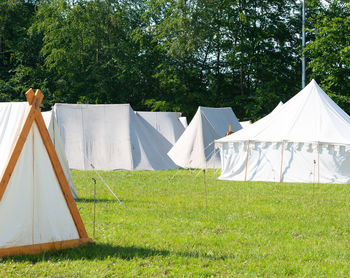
[310, 116]
[305, 140]
[195, 148]
[109, 137]
[37, 210]
[52, 127]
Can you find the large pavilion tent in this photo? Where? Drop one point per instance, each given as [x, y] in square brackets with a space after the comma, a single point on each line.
[110, 137]
[195, 147]
[247, 124]
[306, 140]
[37, 209]
[166, 123]
[52, 127]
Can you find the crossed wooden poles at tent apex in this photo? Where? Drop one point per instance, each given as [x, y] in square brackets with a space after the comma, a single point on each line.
[34, 115]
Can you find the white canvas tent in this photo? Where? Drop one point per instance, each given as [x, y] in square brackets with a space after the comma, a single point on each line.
[306, 140]
[37, 209]
[245, 124]
[110, 137]
[183, 120]
[166, 123]
[195, 148]
[52, 127]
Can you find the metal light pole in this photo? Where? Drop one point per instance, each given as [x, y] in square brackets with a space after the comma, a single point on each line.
[303, 46]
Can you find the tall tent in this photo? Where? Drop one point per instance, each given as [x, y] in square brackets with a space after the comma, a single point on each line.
[110, 137]
[37, 209]
[306, 140]
[52, 127]
[195, 148]
[166, 123]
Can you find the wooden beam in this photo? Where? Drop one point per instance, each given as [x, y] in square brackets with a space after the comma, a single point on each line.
[38, 99]
[30, 96]
[43, 247]
[62, 180]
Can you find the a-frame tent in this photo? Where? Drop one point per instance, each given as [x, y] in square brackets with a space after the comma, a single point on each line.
[110, 137]
[195, 147]
[37, 209]
[166, 123]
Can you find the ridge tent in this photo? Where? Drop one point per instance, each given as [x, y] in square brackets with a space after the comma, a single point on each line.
[245, 124]
[183, 120]
[109, 137]
[52, 127]
[37, 210]
[166, 123]
[307, 139]
[195, 148]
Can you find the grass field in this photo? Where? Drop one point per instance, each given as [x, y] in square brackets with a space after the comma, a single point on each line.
[166, 226]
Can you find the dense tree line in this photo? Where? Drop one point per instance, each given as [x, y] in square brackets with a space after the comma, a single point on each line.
[173, 55]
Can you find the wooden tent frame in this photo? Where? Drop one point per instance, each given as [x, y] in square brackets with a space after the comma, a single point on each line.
[34, 116]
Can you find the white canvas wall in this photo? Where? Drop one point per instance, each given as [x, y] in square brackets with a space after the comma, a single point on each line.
[166, 123]
[33, 209]
[109, 137]
[52, 127]
[307, 139]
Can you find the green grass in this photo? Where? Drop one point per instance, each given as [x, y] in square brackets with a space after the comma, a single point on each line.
[164, 228]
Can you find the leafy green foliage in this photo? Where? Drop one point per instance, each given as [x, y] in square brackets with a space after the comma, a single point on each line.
[330, 49]
[171, 55]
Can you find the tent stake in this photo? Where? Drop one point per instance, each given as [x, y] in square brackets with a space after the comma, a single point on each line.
[282, 151]
[206, 192]
[246, 162]
[93, 229]
[318, 161]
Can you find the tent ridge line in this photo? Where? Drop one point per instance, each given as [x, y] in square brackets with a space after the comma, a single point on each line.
[45, 136]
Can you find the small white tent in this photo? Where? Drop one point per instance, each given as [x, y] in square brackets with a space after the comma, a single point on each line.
[195, 148]
[110, 137]
[37, 209]
[166, 123]
[307, 139]
[52, 127]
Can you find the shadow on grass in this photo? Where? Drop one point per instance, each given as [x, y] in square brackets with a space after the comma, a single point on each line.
[90, 200]
[86, 200]
[100, 251]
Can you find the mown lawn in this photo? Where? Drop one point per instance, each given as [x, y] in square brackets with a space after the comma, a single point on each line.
[166, 226]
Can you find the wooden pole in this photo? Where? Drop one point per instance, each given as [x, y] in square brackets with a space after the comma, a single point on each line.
[206, 192]
[246, 162]
[282, 152]
[318, 162]
[93, 234]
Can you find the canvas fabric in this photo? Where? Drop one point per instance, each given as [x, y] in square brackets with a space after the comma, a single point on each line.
[195, 147]
[33, 209]
[166, 123]
[307, 139]
[52, 127]
[109, 137]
